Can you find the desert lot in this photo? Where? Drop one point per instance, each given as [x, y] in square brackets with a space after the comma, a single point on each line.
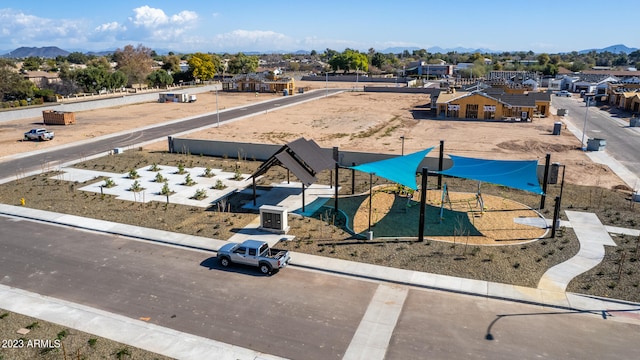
[352, 120]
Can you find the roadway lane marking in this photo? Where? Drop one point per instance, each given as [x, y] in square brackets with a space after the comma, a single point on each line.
[376, 327]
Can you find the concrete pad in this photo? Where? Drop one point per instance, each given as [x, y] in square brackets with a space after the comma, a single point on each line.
[182, 193]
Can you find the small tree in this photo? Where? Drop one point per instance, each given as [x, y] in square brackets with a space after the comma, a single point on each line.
[136, 187]
[133, 174]
[159, 178]
[154, 167]
[207, 172]
[165, 189]
[109, 183]
[200, 194]
[188, 180]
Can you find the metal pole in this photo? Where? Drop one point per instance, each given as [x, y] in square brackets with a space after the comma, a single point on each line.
[440, 164]
[556, 215]
[217, 111]
[253, 178]
[336, 189]
[584, 128]
[370, 197]
[326, 83]
[543, 197]
[303, 197]
[402, 138]
[353, 179]
[423, 202]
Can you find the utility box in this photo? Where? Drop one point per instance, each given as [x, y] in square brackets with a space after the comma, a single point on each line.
[274, 219]
[596, 144]
[557, 127]
[634, 122]
[51, 117]
[563, 112]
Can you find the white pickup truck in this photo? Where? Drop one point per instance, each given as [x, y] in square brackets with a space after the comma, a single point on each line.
[254, 253]
[39, 134]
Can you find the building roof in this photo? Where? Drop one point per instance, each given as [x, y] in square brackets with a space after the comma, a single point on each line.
[304, 158]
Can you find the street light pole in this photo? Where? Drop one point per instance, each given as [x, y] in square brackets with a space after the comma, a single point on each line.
[326, 82]
[217, 111]
[584, 128]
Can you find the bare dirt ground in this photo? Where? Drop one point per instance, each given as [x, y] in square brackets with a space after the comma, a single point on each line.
[356, 121]
[363, 122]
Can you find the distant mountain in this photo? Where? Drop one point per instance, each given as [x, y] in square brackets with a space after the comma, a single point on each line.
[44, 52]
[438, 49]
[614, 49]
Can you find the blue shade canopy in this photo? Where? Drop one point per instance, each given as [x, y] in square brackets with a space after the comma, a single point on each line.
[401, 169]
[517, 174]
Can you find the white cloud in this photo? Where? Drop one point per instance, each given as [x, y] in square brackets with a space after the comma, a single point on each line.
[257, 40]
[28, 30]
[113, 26]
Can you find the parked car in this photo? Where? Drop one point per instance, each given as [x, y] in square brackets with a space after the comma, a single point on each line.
[39, 134]
[254, 253]
[563, 93]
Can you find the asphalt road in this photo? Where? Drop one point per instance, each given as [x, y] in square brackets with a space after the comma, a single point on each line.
[74, 152]
[622, 141]
[297, 313]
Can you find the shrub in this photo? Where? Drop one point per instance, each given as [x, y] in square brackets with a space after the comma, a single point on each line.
[165, 189]
[159, 178]
[136, 187]
[133, 174]
[188, 180]
[207, 172]
[154, 167]
[200, 194]
[219, 185]
[109, 183]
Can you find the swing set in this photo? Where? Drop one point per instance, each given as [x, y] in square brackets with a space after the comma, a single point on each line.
[460, 203]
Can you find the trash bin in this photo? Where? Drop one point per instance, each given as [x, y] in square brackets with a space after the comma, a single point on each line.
[557, 127]
[285, 92]
[634, 122]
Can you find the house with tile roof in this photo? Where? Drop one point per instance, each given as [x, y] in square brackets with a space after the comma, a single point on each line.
[492, 104]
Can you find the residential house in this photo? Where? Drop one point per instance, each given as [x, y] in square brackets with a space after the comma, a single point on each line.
[259, 82]
[422, 68]
[41, 78]
[492, 104]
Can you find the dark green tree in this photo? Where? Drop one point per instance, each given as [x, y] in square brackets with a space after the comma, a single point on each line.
[159, 78]
[77, 58]
[243, 64]
[32, 63]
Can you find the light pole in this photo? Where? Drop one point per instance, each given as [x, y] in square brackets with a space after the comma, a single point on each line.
[402, 138]
[217, 111]
[584, 128]
[326, 83]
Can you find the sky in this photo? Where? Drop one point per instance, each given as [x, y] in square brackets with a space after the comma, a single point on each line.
[542, 26]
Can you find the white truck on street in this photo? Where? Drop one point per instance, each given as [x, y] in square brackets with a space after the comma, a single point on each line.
[39, 134]
[254, 253]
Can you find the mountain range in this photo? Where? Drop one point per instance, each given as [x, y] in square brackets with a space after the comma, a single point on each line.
[53, 51]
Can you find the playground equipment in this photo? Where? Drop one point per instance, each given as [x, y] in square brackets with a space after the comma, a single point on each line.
[446, 199]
